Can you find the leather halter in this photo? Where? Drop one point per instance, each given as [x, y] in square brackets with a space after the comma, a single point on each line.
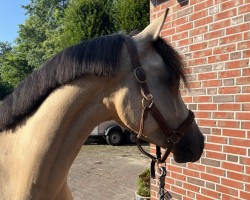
[148, 106]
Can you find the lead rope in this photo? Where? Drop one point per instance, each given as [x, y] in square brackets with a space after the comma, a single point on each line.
[159, 159]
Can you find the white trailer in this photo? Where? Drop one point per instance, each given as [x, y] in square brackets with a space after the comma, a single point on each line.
[113, 133]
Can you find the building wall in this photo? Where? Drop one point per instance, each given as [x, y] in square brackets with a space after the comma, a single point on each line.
[214, 38]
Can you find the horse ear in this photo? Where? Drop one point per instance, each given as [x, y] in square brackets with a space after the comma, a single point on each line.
[152, 31]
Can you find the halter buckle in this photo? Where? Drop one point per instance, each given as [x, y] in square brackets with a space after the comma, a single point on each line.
[174, 137]
[147, 103]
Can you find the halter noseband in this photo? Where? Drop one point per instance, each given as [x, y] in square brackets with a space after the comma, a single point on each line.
[148, 106]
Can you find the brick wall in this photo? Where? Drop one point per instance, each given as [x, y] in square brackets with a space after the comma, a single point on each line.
[214, 38]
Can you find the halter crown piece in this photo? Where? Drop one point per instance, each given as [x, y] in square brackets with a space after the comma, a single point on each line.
[148, 106]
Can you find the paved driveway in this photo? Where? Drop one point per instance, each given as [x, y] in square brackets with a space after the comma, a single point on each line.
[103, 172]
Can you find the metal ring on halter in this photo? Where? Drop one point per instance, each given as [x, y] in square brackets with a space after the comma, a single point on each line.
[163, 171]
[149, 103]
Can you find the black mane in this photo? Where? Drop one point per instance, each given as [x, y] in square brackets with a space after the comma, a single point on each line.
[99, 57]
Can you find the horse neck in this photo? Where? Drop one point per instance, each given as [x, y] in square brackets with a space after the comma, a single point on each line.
[38, 155]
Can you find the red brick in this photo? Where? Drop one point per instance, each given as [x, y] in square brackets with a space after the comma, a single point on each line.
[230, 4]
[207, 106]
[202, 5]
[244, 9]
[178, 190]
[246, 53]
[246, 107]
[187, 99]
[234, 150]
[194, 84]
[243, 45]
[229, 90]
[243, 116]
[245, 161]
[229, 74]
[174, 169]
[233, 133]
[235, 55]
[213, 147]
[219, 25]
[177, 176]
[229, 107]
[218, 58]
[195, 62]
[227, 190]
[223, 115]
[237, 29]
[179, 21]
[238, 176]
[212, 83]
[210, 193]
[202, 99]
[239, 142]
[213, 43]
[191, 187]
[203, 21]
[185, 42]
[226, 14]
[202, 115]
[180, 36]
[196, 166]
[198, 46]
[216, 155]
[200, 196]
[227, 197]
[246, 125]
[214, 34]
[237, 64]
[206, 76]
[231, 38]
[243, 81]
[198, 31]
[224, 49]
[207, 122]
[192, 173]
[243, 98]
[244, 195]
[232, 183]
[229, 124]
[184, 27]
[169, 31]
[216, 171]
[202, 53]
[198, 15]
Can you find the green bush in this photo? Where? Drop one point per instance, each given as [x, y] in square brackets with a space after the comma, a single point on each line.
[143, 183]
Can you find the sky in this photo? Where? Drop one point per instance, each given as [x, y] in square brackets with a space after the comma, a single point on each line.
[11, 14]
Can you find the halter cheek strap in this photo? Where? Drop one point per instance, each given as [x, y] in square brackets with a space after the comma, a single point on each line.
[148, 106]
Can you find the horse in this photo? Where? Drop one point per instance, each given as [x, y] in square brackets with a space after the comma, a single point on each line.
[47, 118]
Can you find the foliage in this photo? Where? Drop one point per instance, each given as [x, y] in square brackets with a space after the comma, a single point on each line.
[85, 19]
[14, 69]
[35, 39]
[130, 15]
[143, 183]
[52, 25]
[5, 49]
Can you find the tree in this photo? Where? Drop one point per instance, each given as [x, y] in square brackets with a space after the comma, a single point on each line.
[34, 35]
[85, 19]
[14, 69]
[5, 48]
[130, 15]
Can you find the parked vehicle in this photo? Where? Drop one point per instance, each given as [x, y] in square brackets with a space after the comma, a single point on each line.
[113, 133]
